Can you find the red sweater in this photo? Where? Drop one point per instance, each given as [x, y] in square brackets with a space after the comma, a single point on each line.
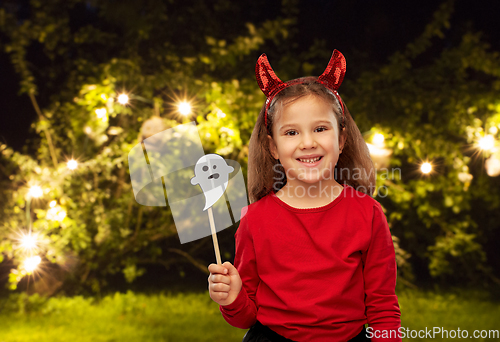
[316, 274]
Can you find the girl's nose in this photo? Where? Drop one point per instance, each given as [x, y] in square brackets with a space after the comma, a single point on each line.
[307, 141]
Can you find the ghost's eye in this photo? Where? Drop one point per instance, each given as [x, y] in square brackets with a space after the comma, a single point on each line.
[215, 166]
[205, 168]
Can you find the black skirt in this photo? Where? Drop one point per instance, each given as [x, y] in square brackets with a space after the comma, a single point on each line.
[262, 333]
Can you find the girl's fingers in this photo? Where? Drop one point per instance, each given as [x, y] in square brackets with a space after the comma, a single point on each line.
[219, 287]
[219, 278]
[215, 268]
[222, 295]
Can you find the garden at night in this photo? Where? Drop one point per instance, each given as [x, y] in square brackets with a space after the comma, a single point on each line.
[86, 84]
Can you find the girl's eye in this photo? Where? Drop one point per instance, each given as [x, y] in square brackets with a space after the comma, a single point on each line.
[322, 129]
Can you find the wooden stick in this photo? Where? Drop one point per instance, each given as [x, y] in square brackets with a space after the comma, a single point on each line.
[214, 236]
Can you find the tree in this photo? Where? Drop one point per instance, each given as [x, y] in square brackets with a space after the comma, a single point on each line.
[434, 101]
[89, 215]
[431, 101]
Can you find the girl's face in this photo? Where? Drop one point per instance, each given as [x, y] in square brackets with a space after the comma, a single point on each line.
[306, 129]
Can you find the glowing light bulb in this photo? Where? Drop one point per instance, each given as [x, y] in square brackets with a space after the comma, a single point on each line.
[72, 164]
[29, 241]
[378, 139]
[487, 142]
[123, 99]
[184, 108]
[426, 168]
[30, 264]
[35, 191]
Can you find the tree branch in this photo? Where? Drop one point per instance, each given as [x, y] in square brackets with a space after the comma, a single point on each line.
[407, 283]
[195, 262]
[46, 131]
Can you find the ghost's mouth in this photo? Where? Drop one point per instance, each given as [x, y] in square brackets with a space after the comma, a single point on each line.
[215, 175]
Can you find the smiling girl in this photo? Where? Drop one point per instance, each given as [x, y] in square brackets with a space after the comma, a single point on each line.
[314, 255]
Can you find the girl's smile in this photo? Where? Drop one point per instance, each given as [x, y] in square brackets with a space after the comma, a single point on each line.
[310, 162]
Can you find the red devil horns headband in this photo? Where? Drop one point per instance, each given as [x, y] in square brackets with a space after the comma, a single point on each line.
[271, 85]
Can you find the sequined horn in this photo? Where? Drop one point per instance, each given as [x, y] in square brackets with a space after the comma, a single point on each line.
[334, 73]
[266, 78]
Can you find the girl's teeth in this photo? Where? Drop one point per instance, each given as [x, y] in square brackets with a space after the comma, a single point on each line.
[310, 160]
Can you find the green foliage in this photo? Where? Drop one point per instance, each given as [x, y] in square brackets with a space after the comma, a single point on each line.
[435, 107]
[96, 228]
[428, 106]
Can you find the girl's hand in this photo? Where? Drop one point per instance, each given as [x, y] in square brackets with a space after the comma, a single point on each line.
[224, 283]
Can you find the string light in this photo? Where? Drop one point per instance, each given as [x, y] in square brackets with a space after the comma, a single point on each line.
[426, 168]
[184, 108]
[487, 143]
[29, 242]
[55, 212]
[123, 99]
[378, 139]
[30, 264]
[72, 164]
[35, 191]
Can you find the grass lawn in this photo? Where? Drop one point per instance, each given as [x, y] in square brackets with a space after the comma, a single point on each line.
[195, 317]
[467, 310]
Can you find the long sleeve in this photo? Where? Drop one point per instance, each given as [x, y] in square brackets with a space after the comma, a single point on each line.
[380, 273]
[242, 313]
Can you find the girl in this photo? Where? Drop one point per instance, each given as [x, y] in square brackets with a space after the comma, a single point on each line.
[314, 255]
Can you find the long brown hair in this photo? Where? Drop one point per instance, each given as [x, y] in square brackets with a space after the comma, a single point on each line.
[266, 174]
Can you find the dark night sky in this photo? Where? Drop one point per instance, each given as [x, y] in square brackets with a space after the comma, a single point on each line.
[377, 28]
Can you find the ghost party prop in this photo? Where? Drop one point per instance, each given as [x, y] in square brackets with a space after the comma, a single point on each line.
[212, 174]
[164, 167]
